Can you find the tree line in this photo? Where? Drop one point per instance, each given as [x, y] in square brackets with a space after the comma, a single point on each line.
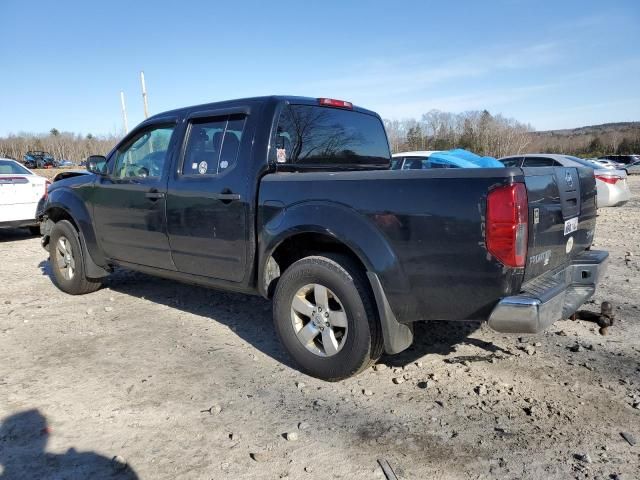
[497, 136]
[600, 141]
[477, 131]
[62, 145]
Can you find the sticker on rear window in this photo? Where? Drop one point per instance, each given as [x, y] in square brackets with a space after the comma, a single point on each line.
[571, 225]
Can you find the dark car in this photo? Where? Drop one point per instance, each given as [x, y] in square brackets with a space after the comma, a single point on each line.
[292, 198]
[622, 159]
[38, 159]
[69, 173]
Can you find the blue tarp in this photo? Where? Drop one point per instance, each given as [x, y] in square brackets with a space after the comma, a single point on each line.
[464, 159]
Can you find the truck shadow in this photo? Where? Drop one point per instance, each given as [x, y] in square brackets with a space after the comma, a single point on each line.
[23, 440]
[442, 338]
[15, 234]
[250, 317]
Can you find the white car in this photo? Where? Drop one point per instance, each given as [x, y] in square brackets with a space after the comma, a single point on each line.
[416, 160]
[20, 192]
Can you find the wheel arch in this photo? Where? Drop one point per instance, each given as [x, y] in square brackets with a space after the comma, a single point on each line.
[309, 226]
[64, 205]
[297, 244]
[311, 229]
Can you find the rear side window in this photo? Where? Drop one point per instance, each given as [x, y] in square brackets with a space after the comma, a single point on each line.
[540, 162]
[423, 163]
[396, 163]
[511, 161]
[213, 145]
[11, 168]
[314, 136]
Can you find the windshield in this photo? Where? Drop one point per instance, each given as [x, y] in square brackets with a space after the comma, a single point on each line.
[8, 167]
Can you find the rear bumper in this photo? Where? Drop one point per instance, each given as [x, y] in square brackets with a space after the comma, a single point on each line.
[550, 297]
[613, 195]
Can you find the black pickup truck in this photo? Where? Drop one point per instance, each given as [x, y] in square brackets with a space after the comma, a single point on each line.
[293, 199]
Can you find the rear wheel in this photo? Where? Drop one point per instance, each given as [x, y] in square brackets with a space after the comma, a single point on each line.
[326, 317]
[65, 257]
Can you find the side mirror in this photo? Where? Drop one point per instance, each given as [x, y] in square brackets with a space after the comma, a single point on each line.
[96, 164]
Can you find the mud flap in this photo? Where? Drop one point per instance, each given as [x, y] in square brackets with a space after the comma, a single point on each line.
[397, 336]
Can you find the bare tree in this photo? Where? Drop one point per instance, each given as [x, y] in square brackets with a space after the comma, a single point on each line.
[62, 145]
[478, 131]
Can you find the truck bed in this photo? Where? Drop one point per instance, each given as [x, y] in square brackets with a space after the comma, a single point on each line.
[427, 230]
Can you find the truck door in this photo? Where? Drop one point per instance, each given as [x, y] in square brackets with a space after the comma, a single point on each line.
[129, 202]
[208, 195]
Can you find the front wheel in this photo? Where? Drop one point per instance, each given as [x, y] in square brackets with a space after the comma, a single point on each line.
[65, 257]
[326, 318]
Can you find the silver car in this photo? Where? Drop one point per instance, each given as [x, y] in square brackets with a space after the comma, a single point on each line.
[633, 168]
[610, 164]
[613, 190]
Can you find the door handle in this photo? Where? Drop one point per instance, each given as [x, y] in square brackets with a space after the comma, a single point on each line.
[154, 195]
[226, 196]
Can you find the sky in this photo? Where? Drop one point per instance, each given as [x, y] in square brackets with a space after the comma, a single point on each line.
[553, 64]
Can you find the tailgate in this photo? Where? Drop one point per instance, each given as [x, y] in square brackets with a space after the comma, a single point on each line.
[562, 216]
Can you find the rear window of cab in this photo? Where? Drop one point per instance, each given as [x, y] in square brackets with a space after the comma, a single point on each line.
[311, 136]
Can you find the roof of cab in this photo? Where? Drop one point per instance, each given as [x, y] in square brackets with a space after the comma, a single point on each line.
[263, 99]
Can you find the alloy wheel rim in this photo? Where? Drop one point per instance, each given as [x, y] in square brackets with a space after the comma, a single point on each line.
[64, 258]
[319, 320]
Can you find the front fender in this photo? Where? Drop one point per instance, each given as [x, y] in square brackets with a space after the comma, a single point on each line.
[355, 230]
[75, 207]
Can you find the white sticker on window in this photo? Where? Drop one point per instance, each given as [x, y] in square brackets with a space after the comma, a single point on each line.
[281, 155]
[224, 164]
[202, 168]
[194, 166]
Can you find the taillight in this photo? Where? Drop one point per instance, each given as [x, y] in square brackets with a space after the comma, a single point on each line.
[609, 179]
[507, 224]
[46, 189]
[332, 102]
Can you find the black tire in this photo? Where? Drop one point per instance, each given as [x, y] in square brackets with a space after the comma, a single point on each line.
[76, 283]
[34, 230]
[363, 343]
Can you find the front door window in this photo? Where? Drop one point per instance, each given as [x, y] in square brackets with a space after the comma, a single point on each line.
[145, 155]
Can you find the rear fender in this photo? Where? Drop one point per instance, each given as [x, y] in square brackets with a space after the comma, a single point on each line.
[358, 233]
[342, 223]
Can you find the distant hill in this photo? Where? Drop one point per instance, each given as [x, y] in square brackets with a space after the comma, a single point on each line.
[592, 140]
[619, 127]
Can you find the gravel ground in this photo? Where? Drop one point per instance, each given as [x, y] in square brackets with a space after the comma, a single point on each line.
[150, 379]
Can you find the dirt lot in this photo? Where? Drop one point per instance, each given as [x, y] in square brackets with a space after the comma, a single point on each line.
[182, 382]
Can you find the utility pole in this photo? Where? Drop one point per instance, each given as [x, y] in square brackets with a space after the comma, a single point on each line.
[124, 113]
[144, 96]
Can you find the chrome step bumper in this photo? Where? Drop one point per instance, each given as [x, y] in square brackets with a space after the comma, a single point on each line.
[550, 297]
